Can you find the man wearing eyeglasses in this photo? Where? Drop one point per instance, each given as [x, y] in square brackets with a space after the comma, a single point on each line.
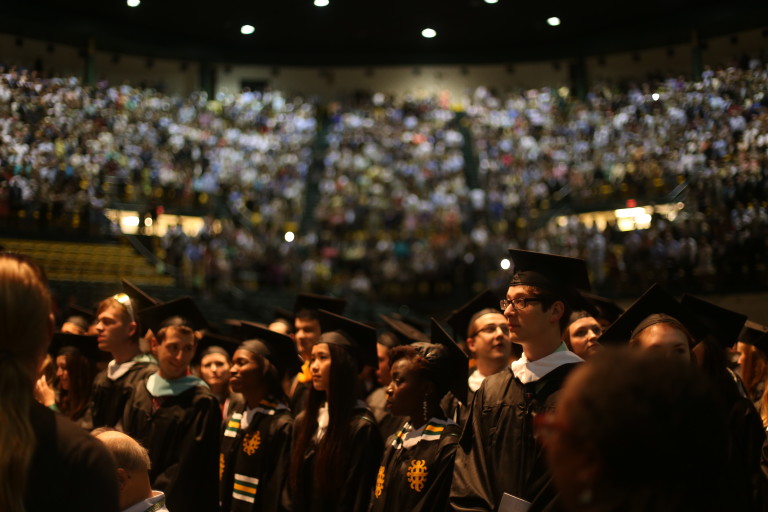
[498, 454]
[481, 323]
[117, 333]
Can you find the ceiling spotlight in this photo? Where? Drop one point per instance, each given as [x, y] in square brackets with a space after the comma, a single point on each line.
[247, 30]
[491, 1]
[133, 3]
[321, 3]
[429, 33]
[553, 21]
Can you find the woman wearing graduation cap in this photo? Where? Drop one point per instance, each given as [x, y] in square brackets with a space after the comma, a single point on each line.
[75, 370]
[658, 322]
[417, 466]
[255, 446]
[337, 445]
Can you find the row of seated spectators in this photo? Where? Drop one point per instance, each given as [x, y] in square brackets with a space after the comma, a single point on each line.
[415, 194]
[67, 149]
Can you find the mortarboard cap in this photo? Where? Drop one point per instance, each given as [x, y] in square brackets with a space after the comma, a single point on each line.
[602, 307]
[278, 348]
[755, 334]
[182, 311]
[457, 366]
[549, 271]
[74, 312]
[655, 300]
[461, 318]
[315, 302]
[284, 314]
[723, 324]
[211, 340]
[404, 332]
[141, 299]
[357, 337]
[87, 346]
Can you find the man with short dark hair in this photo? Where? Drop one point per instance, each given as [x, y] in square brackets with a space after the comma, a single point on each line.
[498, 454]
[174, 414]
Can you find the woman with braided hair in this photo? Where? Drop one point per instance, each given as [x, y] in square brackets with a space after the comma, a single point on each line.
[417, 467]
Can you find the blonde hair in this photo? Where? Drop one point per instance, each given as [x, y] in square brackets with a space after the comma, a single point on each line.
[129, 454]
[25, 323]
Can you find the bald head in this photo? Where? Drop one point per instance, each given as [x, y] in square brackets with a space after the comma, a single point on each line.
[128, 453]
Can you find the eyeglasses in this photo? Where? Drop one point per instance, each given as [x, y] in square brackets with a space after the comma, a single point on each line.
[490, 329]
[517, 303]
[125, 300]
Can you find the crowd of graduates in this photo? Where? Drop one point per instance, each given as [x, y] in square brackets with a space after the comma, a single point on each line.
[547, 398]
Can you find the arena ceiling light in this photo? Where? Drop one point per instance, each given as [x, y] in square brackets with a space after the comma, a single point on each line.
[133, 3]
[247, 30]
[321, 3]
[491, 1]
[429, 33]
[554, 21]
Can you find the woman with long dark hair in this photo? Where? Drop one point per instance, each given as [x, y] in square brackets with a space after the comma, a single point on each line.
[75, 370]
[337, 445]
[417, 467]
[46, 462]
[256, 440]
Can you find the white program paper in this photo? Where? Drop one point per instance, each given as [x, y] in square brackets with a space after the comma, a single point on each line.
[511, 503]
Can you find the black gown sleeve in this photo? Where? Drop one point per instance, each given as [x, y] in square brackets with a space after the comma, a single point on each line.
[272, 498]
[192, 483]
[364, 458]
[71, 471]
[471, 485]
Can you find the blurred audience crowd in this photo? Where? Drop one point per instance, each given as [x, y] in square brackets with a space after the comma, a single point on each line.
[409, 194]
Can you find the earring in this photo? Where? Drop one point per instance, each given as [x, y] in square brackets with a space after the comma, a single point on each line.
[425, 408]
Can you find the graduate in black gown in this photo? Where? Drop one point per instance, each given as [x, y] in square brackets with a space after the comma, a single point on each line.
[483, 328]
[417, 466]
[498, 453]
[256, 439]
[307, 330]
[337, 445]
[398, 333]
[118, 333]
[174, 415]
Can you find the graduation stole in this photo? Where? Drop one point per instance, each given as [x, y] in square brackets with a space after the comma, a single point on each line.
[431, 431]
[266, 406]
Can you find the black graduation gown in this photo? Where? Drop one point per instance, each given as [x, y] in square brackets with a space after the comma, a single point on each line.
[745, 483]
[71, 471]
[299, 398]
[456, 410]
[388, 424]
[360, 467]
[254, 462]
[182, 434]
[497, 452]
[400, 483]
[109, 397]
